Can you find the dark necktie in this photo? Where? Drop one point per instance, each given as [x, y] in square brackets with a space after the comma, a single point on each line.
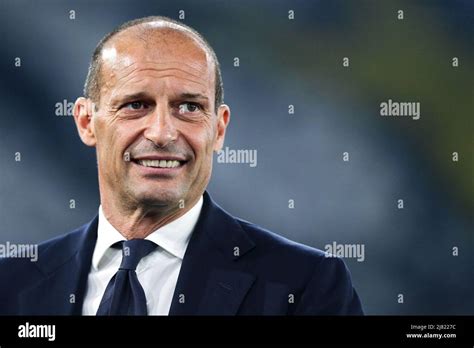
[124, 295]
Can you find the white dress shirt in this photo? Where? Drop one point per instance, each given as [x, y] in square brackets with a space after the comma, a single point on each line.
[157, 272]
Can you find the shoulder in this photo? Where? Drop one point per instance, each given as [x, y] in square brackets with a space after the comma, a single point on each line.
[323, 282]
[272, 243]
[19, 269]
[291, 259]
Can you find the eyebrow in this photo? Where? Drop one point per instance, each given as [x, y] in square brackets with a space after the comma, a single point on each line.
[128, 97]
[145, 95]
[193, 96]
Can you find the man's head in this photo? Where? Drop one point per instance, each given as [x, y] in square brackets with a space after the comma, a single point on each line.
[92, 85]
[153, 99]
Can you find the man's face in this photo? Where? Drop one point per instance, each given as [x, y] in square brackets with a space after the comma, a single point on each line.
[156, 125]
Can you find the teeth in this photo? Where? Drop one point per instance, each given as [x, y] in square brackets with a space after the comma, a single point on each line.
[159, 163]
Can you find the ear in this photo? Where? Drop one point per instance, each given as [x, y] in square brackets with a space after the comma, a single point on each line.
[83, 118]
[223, 118]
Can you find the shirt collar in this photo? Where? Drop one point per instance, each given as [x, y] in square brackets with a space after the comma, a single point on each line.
[173, 237]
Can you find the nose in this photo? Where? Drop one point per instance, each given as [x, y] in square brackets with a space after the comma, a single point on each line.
[160, 128]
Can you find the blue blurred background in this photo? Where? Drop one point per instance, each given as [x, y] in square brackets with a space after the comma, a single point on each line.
[299, 62]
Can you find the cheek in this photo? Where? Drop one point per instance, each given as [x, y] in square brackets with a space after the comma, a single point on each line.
[201, 140]
[112, 141]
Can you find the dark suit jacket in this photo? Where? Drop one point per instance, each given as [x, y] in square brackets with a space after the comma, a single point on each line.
[231, 267]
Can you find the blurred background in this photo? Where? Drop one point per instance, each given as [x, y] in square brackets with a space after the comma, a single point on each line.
[282, 62]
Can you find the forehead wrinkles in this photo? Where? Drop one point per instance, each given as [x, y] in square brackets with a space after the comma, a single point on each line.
[135, 74]
[126, 58]
[197, 71]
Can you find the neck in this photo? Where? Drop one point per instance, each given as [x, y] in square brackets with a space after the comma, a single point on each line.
[139, 221]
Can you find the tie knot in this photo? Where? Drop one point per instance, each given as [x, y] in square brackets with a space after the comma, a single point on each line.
[133, 251]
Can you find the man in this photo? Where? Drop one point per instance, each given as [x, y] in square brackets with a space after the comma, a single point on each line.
[154, 111]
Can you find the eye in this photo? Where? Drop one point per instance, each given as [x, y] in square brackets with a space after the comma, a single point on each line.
[136, 105]
[188, 107]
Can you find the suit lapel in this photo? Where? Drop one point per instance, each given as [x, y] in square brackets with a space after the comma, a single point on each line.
[213, 279]
[64, 268]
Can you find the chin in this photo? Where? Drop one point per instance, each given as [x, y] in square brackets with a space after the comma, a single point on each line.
[159, 197]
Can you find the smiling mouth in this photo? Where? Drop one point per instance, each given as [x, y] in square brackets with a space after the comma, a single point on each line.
[159, 163]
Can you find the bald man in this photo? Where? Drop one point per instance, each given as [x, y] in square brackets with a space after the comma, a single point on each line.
[153, 109]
